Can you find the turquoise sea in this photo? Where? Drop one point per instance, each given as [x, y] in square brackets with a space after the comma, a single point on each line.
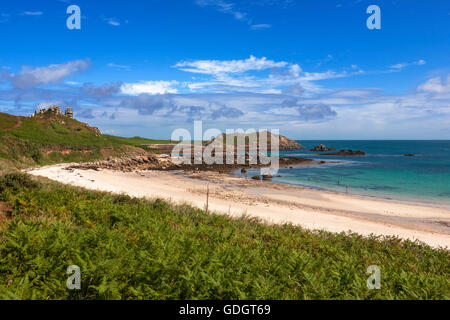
[384, 171]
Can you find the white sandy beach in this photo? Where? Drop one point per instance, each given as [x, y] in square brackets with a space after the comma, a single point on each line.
[273, 203]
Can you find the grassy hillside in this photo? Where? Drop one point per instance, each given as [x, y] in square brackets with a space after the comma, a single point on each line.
[137, 249]
[26, 141]
[7, 121]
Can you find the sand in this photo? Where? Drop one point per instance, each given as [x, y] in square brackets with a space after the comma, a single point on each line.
[271, 202]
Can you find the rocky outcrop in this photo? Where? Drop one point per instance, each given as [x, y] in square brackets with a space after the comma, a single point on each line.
[54, 111]
[285, 144]
[345, 153]
[124, 164]
[164, 162]
[288, 144]
[96, 131]
[322, 147]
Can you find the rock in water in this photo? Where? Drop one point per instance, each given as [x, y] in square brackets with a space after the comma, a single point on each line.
[322, 147]
[345, 153]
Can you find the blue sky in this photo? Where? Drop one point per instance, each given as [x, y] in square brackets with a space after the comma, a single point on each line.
[310, 68]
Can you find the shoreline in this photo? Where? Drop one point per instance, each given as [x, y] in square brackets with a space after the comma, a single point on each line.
[422, 202]
[272, 202]
[404, 199]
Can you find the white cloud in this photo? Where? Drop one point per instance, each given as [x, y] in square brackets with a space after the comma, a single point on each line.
[32, 13]
[72, 83]
[52, 74]
[225, 7]
[435, 85]
[261, 26]
[400, 66]
[241, 76]
[217, 67]
[150, 87]
[113, 22]
[118, 66]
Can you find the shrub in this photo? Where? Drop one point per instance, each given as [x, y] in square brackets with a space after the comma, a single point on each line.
[17, 181]
[36, 154]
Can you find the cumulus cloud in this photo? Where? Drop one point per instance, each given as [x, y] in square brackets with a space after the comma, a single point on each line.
[315, 112]
[102, 91]
[192, 112]
[150, 87]
[295, 90]
[86, 114]
[303, 111]
[435, 85]
[29, 78]
[177, 107]
[224, 112]
[148, 104]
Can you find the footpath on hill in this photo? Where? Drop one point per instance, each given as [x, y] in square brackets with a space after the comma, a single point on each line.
[18, 124]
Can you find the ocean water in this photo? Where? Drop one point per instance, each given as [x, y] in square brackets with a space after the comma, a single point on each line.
[384, 171]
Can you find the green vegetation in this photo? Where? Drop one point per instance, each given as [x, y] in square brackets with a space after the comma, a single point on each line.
[129, 248]
[7, 121]
[54, 130]
[52, 139]
[138, 141]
